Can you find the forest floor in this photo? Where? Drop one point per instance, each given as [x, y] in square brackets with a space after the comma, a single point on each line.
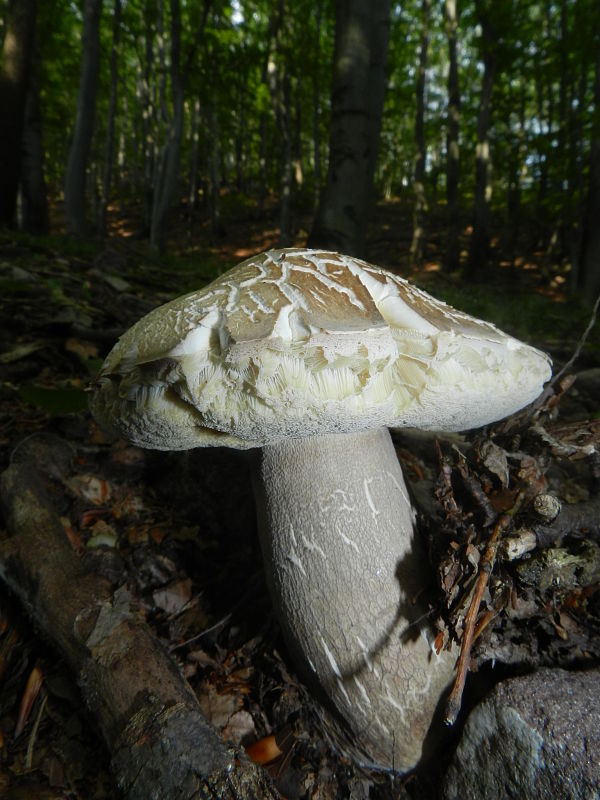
[179, 528]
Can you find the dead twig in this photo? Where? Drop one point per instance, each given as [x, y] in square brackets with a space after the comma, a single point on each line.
[453, 703]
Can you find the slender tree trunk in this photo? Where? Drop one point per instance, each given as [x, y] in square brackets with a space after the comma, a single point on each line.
[148, 118]
[280, 89]
[420, 209]
[545, 98]
[168, 169]
[285, 201]
[358, 89]
[169, 159]
[194, 153]
[317, 171]
[84, 122]
[298, 171]
[515, 166]
[112, 110]
[33, 184]
[480, 239]
[214, 169]
[126, 175]
[590, 261]
[452, 258]
[15, 69]
[576, 177]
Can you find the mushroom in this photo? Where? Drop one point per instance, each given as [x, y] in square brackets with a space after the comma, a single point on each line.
[311, 356]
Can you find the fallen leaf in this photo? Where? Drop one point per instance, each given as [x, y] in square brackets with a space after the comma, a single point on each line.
[239, 727]
[32, 689]
[264, 750]
[174, 597]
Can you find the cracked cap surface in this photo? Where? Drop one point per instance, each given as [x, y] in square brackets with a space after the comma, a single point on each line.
[294, 343]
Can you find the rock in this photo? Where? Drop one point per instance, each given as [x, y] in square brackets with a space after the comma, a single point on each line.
[533, 737]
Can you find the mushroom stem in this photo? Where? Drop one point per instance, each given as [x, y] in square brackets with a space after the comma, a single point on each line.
[344, 570]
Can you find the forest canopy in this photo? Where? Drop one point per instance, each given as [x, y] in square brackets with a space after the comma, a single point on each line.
[489, 118]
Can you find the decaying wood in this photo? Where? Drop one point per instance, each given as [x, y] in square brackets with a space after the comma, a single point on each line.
[161, 744]
[578, 517]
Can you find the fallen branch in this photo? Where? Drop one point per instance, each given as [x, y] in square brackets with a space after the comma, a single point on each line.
[573, 519]
[161, 744]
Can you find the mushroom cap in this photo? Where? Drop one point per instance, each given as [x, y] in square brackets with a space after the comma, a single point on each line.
[294, 343]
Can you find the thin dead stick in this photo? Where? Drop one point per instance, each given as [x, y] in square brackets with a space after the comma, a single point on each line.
[454, 700]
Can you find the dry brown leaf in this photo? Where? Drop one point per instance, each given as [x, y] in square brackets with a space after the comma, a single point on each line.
[173, 597]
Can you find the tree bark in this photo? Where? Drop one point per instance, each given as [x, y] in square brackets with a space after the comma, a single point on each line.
[280, 88]
[164, 186]
[357, 94]
[148, 716]
[84, 122]
[33, 184]
[214, 163]
[316, 87]
[166, 182]
[420, 209]
[112, 110]
[480, 238]
[590, 261]
[15, 70]
[452, 258]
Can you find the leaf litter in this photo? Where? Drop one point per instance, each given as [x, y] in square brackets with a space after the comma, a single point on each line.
[179, 530]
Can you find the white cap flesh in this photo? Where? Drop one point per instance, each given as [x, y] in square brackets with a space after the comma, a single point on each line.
[294, 343]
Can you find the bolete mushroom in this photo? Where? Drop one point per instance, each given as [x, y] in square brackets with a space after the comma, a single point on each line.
[311, 356]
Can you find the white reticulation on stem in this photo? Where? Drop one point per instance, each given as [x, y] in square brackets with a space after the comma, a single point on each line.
[311, 355]
[348, 579]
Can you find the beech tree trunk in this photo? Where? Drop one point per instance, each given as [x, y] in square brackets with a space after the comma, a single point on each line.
[590, 261]
[168, 169]
[280, 89]
[452, 256]
[33, 183]
[84, 122]
[480, 238]
[420, 209]
[169, 159]
[357, 94]
[317, 104]
[15, 71]
[112, 110]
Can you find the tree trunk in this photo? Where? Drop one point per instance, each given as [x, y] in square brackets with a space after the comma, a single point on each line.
[168, 169]
[148, 113]
[112, 110]
[480, 239]
[358, 89]
[33, 184]
[15, 70]
[194, 154]
[285, 200]
[280, 89]
[164, 186]
[317, 104]
[420, 209]
[214, 170]
[452, 259]
[84, 122]
[590, 261]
